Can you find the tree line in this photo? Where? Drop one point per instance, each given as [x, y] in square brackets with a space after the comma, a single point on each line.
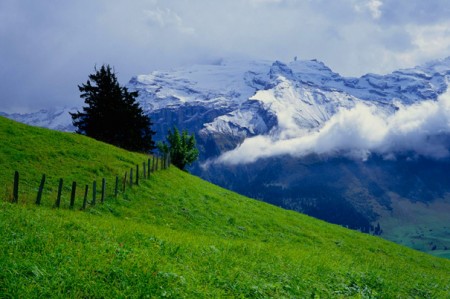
[113, 115]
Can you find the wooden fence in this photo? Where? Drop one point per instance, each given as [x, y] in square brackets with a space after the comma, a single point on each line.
[130, 179]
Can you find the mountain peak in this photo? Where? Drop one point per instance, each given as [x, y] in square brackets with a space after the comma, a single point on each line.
[279, 68]
[441, 66]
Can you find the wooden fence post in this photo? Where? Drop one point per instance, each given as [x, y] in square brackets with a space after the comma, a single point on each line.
[116, 189]
[58, 198]
[41, 188]
[124, 182]
[72, 195]
[15, 198]
[131, 177]
[94, 192]
[103, 190]
[86, 190]
[153, 164]
[148, 168]
[144, 170]
[137, 175]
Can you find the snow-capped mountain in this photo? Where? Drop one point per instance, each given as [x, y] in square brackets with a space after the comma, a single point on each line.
[227, 102]
[247, 98]
[251, 94]
[52, 118]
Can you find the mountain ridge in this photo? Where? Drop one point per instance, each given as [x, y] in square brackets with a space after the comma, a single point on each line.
[229, 84]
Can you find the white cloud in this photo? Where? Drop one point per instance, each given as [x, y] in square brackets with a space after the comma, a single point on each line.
[431, 40]
[422, 128]
[166, 18]
[375, 8]
[422, 43]
[372, 7]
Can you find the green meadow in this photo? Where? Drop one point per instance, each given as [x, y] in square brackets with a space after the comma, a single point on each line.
[177, 236]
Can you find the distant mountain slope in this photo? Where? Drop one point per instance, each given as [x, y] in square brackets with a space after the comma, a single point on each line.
[53, 118]
[178, 236]
[224, 97]
[242, 98]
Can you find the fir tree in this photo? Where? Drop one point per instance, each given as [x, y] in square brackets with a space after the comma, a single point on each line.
[181, 147]
[112, 114]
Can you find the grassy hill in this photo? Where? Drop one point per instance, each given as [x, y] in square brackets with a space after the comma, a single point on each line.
[178, 236]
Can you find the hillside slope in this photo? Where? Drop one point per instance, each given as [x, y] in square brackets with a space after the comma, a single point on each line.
[178, 236]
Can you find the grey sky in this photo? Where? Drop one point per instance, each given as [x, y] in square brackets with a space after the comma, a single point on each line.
[48, 47]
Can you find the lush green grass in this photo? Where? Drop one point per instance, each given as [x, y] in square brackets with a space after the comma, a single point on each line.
[178, 236]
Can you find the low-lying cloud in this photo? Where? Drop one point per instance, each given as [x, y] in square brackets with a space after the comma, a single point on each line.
[421, 129]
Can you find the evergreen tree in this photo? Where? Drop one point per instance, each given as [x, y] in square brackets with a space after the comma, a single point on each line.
[181, 147]
[112, 114]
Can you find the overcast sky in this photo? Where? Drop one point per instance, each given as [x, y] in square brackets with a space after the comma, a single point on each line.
[48, 47]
